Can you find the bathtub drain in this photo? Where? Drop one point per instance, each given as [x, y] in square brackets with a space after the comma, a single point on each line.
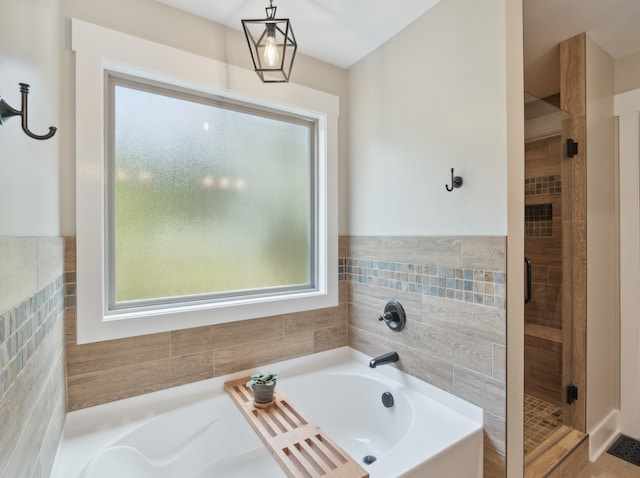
[369, 459]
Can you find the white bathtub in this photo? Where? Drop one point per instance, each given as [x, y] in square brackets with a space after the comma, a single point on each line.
[195, 431]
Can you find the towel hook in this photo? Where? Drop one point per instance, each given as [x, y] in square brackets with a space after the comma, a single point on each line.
[7, 111]
[456, 182]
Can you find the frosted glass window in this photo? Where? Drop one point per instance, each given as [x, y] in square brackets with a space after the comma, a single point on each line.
[207, 199]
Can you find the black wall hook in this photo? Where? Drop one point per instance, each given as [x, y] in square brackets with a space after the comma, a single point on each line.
[456, 182]
[7, 111]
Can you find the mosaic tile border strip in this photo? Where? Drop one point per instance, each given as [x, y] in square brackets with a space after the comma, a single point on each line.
[543, 185]
[23, 328]
[466, 285]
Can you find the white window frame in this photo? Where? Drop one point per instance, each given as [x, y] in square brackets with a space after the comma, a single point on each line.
[98, 50]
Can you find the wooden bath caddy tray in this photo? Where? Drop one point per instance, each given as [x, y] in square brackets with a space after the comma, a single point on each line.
[299, 447]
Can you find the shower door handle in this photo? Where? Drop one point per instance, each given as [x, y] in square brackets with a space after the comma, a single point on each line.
[527, 262]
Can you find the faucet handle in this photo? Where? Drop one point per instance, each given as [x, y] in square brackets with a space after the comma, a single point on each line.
[394, 316]
[387, 316]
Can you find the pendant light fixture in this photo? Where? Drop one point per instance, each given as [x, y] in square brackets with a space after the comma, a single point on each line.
[273, 46]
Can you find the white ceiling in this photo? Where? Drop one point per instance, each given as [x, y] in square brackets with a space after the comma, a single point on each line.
[612, 24]
[342, 32]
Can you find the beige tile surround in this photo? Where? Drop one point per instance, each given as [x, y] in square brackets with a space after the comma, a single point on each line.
[456, 345]
[32, 402]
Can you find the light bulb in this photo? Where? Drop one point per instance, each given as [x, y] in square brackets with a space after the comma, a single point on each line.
[271, 56]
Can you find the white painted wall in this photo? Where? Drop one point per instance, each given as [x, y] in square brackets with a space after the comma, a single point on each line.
[627, 357]
[515, 239]
[447, 92]
[431, 99]
[602, 294]
[29, 169]
[627, 109]
[627, 73]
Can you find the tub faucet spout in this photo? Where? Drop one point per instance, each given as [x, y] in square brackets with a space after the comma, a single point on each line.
[384, 359]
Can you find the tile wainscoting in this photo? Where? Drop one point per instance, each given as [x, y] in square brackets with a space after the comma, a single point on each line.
[32, 404]
[453, 292]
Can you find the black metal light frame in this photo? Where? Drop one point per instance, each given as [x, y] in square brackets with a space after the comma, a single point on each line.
[257, 31]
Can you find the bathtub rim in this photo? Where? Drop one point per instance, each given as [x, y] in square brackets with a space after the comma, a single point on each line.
[137, 410]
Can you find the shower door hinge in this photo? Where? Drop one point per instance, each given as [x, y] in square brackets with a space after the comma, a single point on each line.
[572, 394]
[572, 148]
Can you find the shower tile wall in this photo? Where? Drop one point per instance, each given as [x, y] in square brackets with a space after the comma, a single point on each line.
[543, 230]
[32, 405]
[453, 340]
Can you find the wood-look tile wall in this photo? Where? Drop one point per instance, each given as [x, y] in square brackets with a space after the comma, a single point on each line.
[543, 159]
[106, 371]
[32, 404]
[454, 344]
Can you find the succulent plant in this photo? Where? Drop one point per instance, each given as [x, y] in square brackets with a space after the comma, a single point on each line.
[263, 379]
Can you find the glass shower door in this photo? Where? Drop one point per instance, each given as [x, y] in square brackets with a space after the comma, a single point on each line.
[548, 248]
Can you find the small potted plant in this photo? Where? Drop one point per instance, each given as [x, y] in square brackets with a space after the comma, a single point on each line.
[263, 385]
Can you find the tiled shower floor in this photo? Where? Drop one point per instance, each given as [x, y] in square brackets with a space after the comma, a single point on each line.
[541, 419]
